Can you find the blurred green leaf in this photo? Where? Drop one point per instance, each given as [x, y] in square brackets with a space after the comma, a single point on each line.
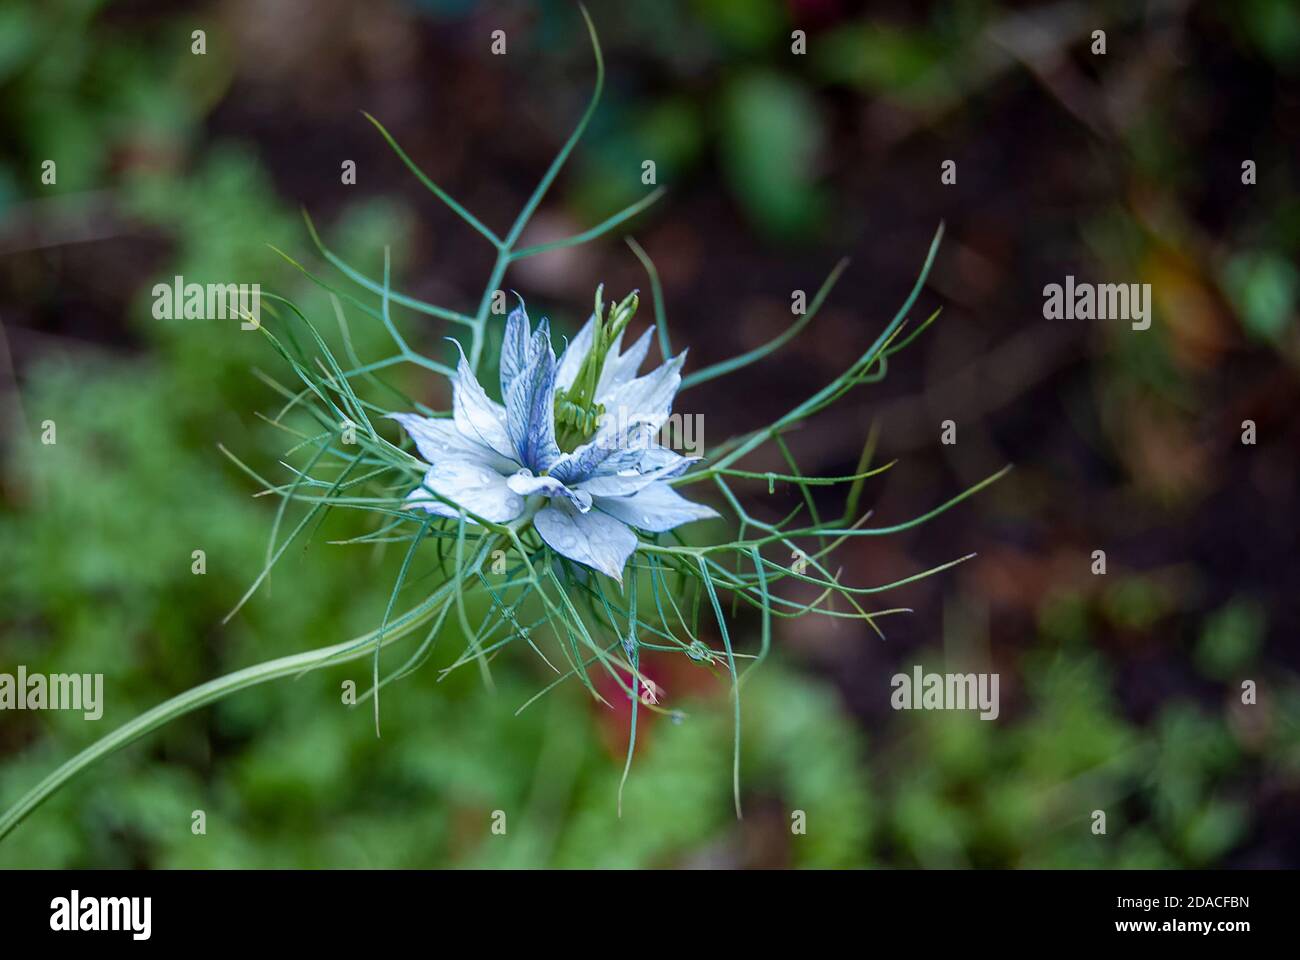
[881, 58]
[1231, 638]
[772, 136]
[1263, 287]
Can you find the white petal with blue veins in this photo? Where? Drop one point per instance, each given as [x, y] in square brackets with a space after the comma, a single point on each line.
[593, 539]
[574, 353]
[618, 370]
[473, 486]
[654, 509]
[530, 413]
[476, 414]
[626, 482]
[647, 399]
[438, 440]
[524, 484]
[514, 347]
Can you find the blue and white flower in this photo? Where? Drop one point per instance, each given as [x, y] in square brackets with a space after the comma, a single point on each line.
[502, 461]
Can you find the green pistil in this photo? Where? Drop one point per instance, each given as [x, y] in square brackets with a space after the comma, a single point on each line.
[576, 411]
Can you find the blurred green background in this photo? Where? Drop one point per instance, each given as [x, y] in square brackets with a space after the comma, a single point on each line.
[1119, 692]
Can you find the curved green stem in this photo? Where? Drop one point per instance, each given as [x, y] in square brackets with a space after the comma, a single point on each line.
[215, 690]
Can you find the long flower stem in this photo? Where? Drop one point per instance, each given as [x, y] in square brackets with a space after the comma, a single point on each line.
[214, 690]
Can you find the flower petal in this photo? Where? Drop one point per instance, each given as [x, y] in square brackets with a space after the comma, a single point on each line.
[647, 399]
[541, 341]
[574, 354]
[593, 539]
[621, 449]
[514, 347]
[645, 458]
[619, 369]
[659, 456]
[655, 509]
[525, 484]
[628, 481]
[477, 415]
[530, 413]
[474, 486]
[438, 440]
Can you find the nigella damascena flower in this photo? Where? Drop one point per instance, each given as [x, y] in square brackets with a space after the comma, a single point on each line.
[572, 447]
